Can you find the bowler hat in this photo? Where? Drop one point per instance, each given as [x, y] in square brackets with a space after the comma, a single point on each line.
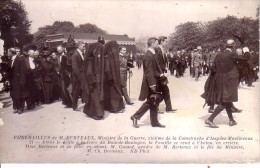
[199, 48]
[230, 43]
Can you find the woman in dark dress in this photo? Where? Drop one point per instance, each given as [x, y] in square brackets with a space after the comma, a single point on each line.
[93, 82]
[113, 100]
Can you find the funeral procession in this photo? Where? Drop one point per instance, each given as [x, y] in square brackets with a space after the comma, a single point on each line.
[116, 68]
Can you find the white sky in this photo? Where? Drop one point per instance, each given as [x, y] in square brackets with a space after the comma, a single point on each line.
[135, 18]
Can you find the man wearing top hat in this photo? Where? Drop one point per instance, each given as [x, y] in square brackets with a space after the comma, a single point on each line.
[226, 81]
[101, 40]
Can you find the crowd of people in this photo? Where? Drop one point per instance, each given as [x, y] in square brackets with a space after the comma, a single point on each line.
[97, 74]
[36, 77]
[198, 62]
[227, 68]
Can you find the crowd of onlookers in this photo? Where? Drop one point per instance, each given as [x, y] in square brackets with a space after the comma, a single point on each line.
[199, 62]
[95, 75]
[38, 74]
[46, 76]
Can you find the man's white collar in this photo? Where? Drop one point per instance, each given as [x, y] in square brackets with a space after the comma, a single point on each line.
[79, 51]
[229, 49]
[81, 54]
[13, 57]
[152, 50]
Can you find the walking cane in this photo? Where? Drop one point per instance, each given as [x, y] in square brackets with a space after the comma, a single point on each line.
[129, 83]
[43, 89]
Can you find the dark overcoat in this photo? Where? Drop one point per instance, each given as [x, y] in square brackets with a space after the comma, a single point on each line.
[65, 80]
[65, 70]
[17, 78]
[224, 84]
[161, 58]
[77, 67]
[151, 73]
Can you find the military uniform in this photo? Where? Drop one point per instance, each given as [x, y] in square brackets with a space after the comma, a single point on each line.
[123, 75]
[196, 62]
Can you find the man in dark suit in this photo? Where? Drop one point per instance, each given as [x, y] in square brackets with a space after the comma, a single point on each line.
[150, 86]
[255, 56]
[64, 76]
[192, 70]
[226, 82]
[184, 60]
[17, 81]
[49, 75]
[205, 57]
[77, 69]
[178, 64]
[30, 84]
[161, 57]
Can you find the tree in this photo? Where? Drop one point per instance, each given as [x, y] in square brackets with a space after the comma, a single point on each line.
[141, 44]
[187, 35]
[39, 36]
[213, 34]
[63, 26]
[244, 30]
[257, 12]
[89, 28]
[14, 24]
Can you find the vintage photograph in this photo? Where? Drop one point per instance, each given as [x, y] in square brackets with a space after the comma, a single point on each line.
[128, 81]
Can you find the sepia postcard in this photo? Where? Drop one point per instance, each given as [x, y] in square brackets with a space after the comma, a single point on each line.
[111, 81]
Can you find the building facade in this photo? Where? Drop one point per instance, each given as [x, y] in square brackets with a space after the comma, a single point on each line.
[53, 40]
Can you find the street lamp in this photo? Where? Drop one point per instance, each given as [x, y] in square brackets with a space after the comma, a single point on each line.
[13, 29]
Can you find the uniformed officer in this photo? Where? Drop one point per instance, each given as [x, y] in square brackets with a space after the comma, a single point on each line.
[197, 61]
[124, 70]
